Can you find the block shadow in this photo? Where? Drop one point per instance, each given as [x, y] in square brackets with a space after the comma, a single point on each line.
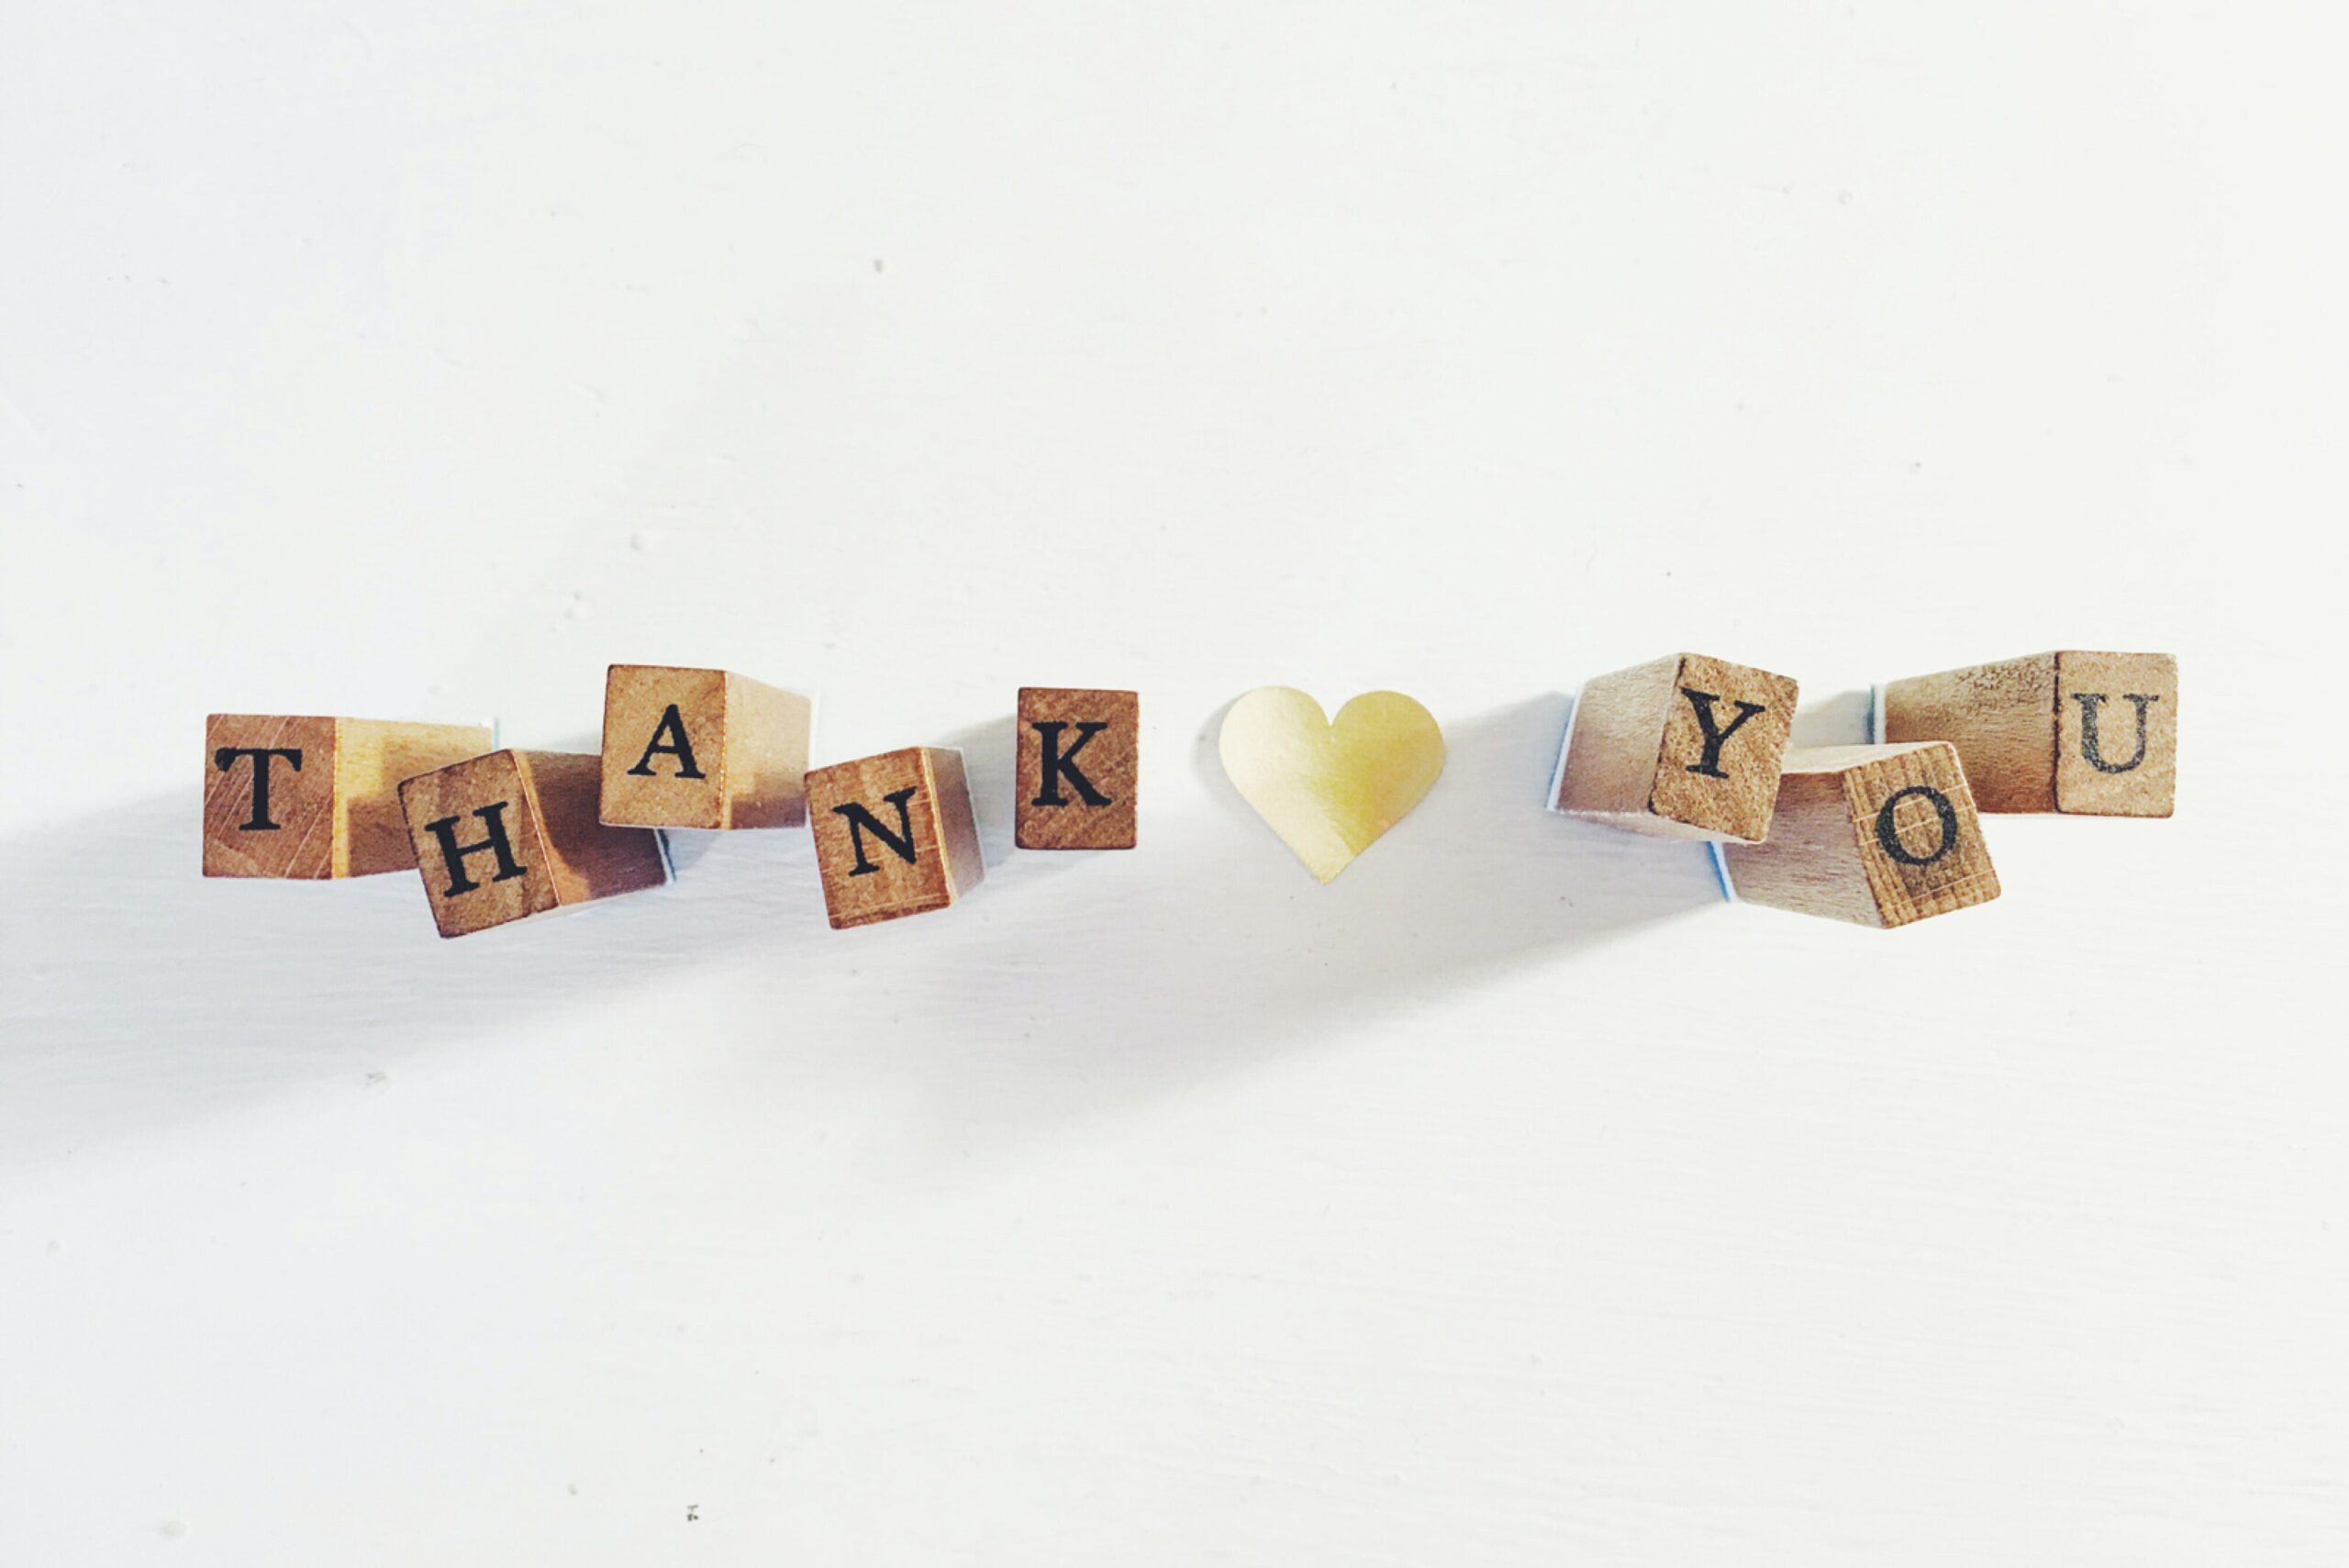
[1108, 977]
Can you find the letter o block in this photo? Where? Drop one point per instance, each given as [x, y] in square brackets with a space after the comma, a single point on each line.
[702, 748]
[1686, 746]
[1878, 835]
[2086, 734]
[516, 833]
[895, 835]
[307, 798]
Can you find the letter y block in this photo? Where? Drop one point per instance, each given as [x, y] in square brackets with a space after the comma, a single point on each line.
[895, 835]
[2087, 734]
[1686, 747]
[516, 833]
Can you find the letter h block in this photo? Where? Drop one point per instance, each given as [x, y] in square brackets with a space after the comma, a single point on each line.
[1686, 747]
[1079, 765]
[1878, 835]
[516, 833]
[702, 748]
[317, 798]
[2087, 734]
[895, 835]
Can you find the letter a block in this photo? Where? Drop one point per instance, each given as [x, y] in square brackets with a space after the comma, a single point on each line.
[1879, 835]
[1684, 747]
[317, 798]
[515, 833]
[1079, 764]
[2090, 734]
[894, 834]
[702, 748]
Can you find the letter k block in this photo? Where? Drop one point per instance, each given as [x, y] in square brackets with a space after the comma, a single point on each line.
[515, 833]
[1079, 764]
[1686, 747]
[895, 835]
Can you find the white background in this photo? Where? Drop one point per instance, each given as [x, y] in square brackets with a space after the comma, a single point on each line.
[1508, 1202]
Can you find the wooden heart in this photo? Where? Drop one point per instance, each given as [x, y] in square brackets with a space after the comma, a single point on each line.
[1329, 787]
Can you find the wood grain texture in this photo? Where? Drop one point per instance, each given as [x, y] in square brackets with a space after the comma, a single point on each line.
[694, 748]
[1096, 738]
[2019, 726]
[1878, 835]
[895, 834]
[1638, 754]
[539, 809]
[331, 796]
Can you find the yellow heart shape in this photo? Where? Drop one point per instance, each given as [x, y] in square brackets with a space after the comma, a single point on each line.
[1329, 787]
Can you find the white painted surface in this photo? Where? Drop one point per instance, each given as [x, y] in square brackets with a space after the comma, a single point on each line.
[1512, 1200]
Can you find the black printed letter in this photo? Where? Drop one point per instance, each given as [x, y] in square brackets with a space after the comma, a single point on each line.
[1888, 835]
[2091, 701]
[1715, 736]
[861, 821]
[452, 854]
[681, 749]
[226, 758]
[1057, 762]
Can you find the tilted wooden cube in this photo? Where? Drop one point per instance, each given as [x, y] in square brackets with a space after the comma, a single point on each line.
[702, 749]
[895, 834]
[1686, 747]
[1078, 769]
[306, 797]
[2089, 734]
[1879, 835]
[516, 833]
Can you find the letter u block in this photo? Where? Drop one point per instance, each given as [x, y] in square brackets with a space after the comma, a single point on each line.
[1878, 835]
[516, 833]
[1078, 767]
[1686, 747]
[895, 835]
[2089, 734]
[702, 749]
[317, 798]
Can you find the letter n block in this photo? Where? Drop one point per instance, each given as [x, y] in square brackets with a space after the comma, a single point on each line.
[894, 834]
[317, 798]
[1879, 835]
[1686, 747]
[516, 833]
[1079, 765]
[702, 749]
[2090, 734]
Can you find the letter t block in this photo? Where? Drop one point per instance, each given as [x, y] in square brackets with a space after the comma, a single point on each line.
[894, 834]
[317, 798]
[1878, 835]
[1686, 747]
[1079, 764]
[515, 833]
[2089, 734]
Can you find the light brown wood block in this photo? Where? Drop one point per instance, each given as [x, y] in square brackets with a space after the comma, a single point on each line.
[1684, 747]
[516, 833]
[1078, 768]
[2089, 734]
[895, 835]
[702, 749]
[306, 797]
[1879, 835]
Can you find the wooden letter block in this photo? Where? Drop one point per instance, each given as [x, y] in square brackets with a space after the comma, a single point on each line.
[894, 834]
[515, 833]
[1880, 835]
[702, 748]
[317, 798]
[2092, 734]
[1079, 764]
[1684, 747]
